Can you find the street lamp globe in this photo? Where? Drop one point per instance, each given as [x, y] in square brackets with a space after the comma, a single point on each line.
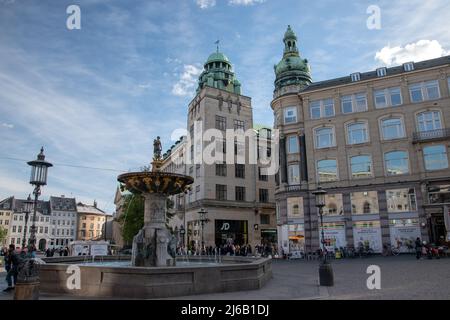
[320, 197]
[39, 169]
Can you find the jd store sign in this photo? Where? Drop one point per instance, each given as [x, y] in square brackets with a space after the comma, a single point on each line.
[231, 226]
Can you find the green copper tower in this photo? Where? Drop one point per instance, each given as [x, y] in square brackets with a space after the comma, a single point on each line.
[217, 73]
[292, 69]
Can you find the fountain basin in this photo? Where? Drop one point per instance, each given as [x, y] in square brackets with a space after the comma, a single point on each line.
[155, 182]
[127, 282]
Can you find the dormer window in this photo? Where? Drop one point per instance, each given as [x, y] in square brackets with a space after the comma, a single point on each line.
[355, 76]
[381, 72]
[409, 66]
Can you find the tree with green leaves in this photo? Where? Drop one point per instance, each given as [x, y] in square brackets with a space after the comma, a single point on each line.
[3, 234]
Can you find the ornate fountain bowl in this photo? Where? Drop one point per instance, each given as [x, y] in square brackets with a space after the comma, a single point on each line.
[155, 182]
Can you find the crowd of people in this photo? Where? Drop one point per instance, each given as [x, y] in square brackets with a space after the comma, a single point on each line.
[61, 252]
[229, 249]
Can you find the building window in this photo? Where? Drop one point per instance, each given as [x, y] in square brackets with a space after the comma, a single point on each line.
[295, 207]
[365, 202]
[240, 193]
[409, 66]
[263, 195]
[396, 163]
[321, 108]
[221, 123]
[381, 72]
[392, 128]
[357, 133]
[239, 170]
[439, 194]
[333, 205]
[239, 125]
[14, 229]
[290, 115]
[221, 146]
[294, 174]
[324, 137]
[391, 97]
[262, 177]
[327, 170]
[354, 103]
[221, 169]
[221, 192]
[197, 170]
[435, 157]
[264, 218]
[292, 144]
[401, 200]
[424, 91]
[361, 166]
[355, 76]
[429, 120]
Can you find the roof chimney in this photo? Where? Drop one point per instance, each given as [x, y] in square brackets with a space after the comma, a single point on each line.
[95, 204]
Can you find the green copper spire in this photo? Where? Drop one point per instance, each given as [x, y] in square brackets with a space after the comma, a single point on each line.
[292, 69]
[217, 73]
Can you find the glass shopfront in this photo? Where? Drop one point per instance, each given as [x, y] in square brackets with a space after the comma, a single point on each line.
[231, 232]
[404, 233]
[296, 238]
[334, 234]
[368, 233]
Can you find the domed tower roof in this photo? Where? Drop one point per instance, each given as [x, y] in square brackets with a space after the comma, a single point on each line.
[218, 73]
[292, 69]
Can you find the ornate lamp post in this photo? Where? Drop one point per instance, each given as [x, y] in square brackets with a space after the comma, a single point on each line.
[182, 233]
[27, 208]
[38, 178]
[203, 219]
[27, 287]
[326, 277]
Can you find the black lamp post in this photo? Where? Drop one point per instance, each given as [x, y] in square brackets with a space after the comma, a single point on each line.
[182, 233]
[203, 219]
[27, 208]
[27, 286]
[326, 277]
[38, 178]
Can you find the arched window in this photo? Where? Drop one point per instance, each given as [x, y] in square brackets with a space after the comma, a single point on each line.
[324, 137]
[361, 166]
[327, 170]
[429, 120]
[357, 133]
[396, 162]
[392, 128]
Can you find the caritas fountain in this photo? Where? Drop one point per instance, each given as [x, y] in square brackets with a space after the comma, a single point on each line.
[152, 271]
[154, 246]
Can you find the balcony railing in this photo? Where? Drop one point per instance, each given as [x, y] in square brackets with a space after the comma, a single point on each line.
[431, 135]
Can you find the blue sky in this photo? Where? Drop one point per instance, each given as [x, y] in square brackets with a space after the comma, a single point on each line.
[97, 97]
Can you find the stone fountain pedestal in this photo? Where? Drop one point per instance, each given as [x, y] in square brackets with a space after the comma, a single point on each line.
[152, 244]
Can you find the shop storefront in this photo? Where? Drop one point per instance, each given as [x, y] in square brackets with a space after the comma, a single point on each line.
[369, 234]
[334, 234]
[403, 233]
[231, 232]
[296, 238]
[269, 236]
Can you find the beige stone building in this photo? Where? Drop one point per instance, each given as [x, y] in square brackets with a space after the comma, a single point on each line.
[239, 201]
[376, 141]
[91, 222]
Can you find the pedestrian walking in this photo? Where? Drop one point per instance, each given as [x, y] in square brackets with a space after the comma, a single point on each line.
[418, 248]
[11, 266]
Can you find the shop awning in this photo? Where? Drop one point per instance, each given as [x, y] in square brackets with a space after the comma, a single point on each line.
[296, 237]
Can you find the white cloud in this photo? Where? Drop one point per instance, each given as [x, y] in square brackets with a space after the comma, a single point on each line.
[7, 125]
[245, 2]
[188, 79]
[204, 4]
[418, 51]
